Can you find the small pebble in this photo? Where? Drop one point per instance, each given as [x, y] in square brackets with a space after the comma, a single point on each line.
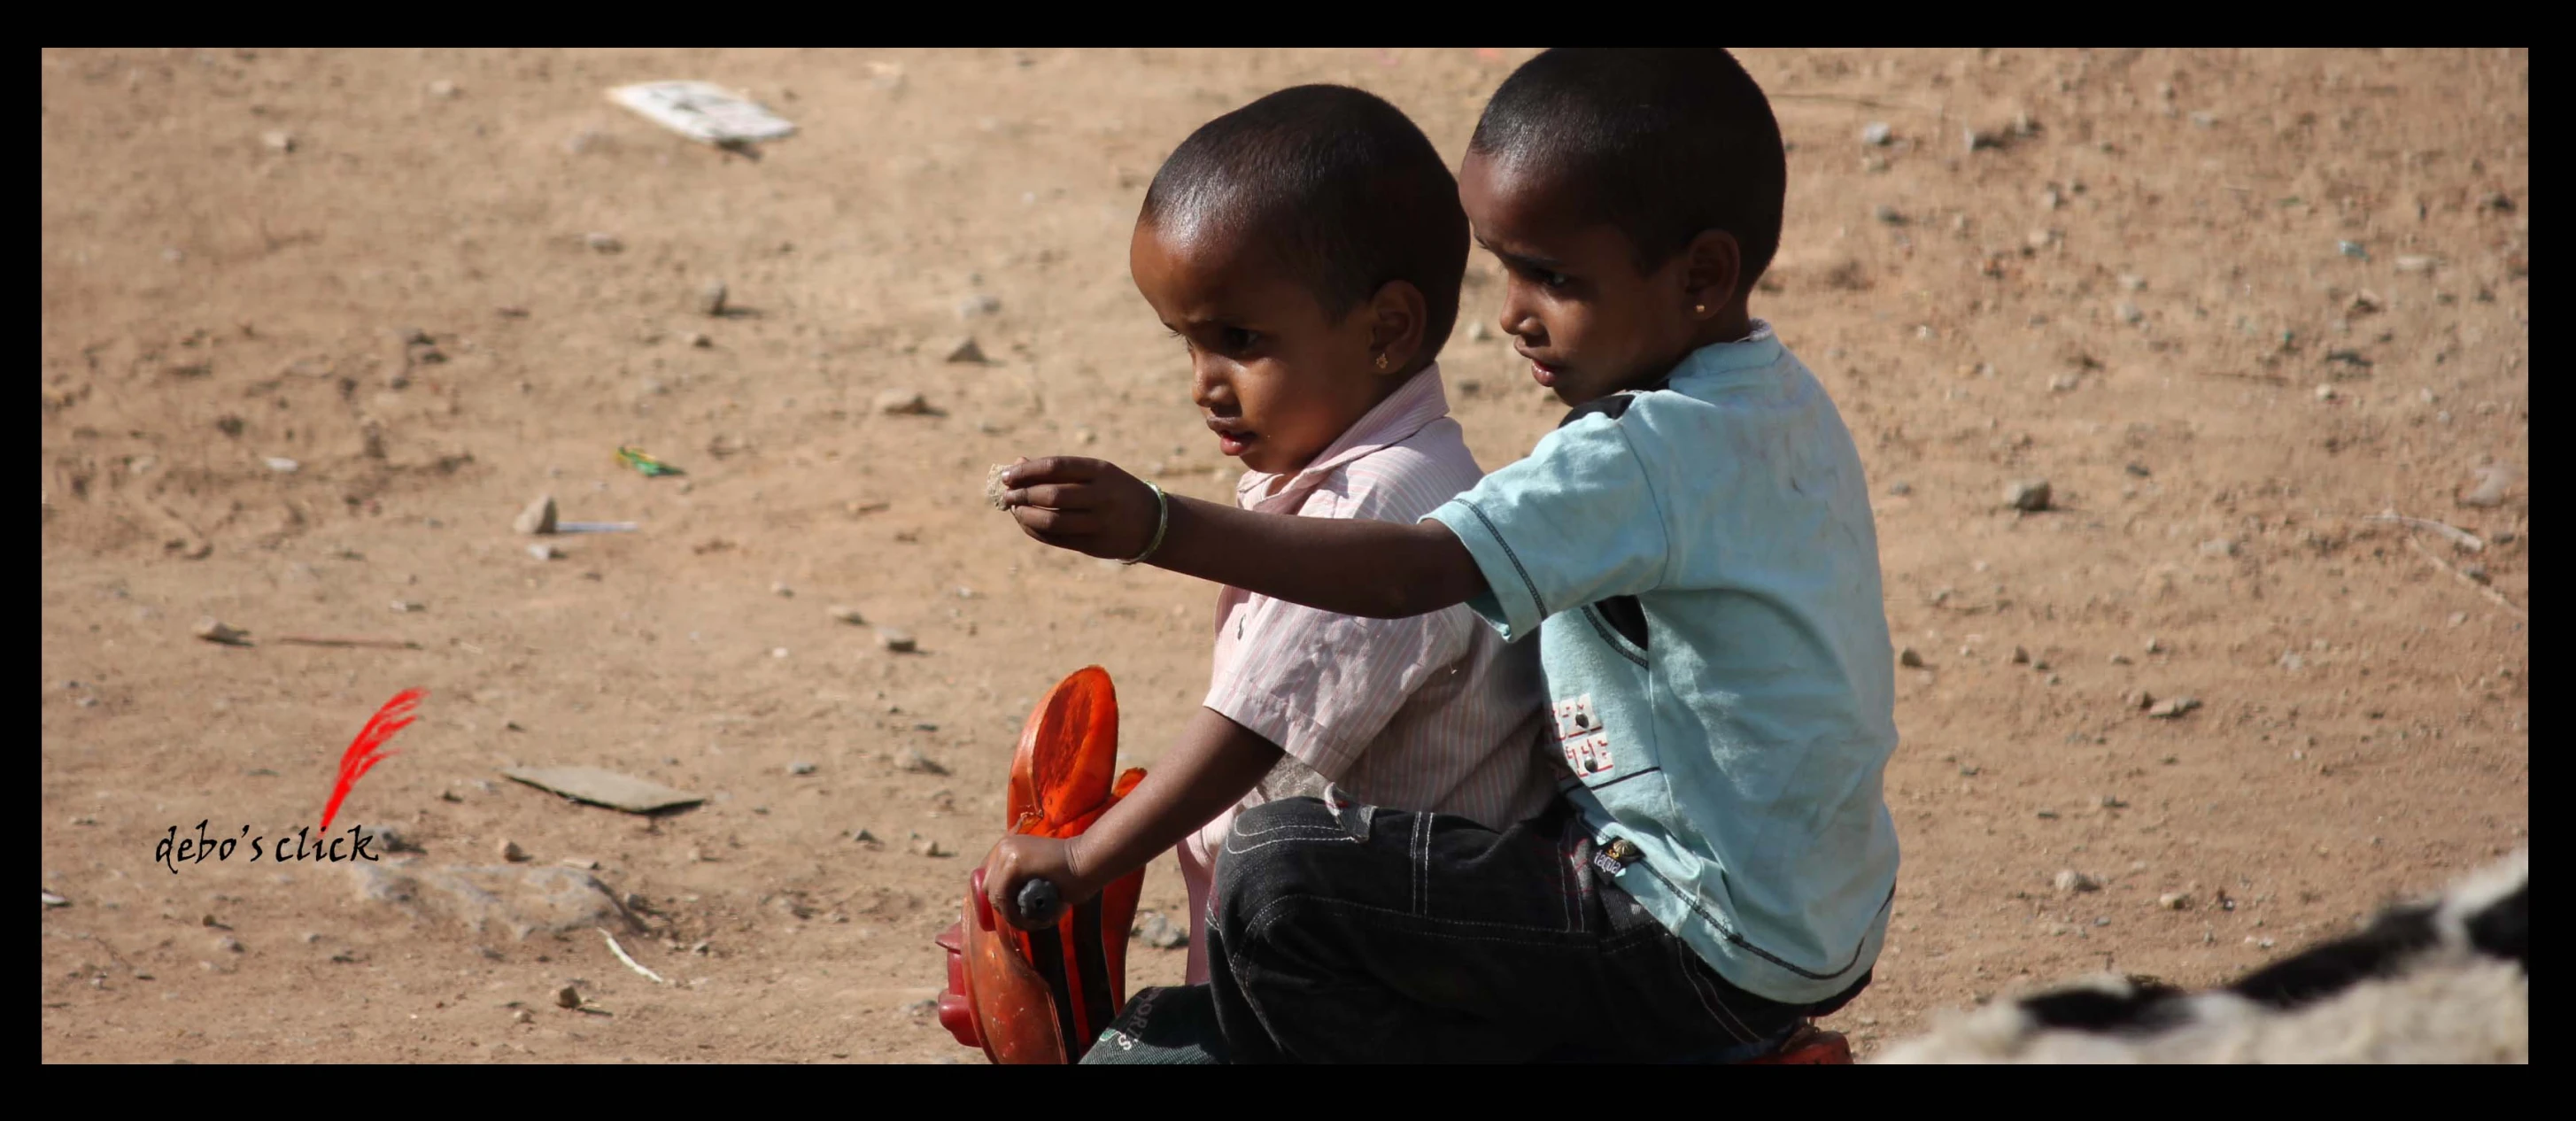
[2173, 901]
[894, 640]
[711, 298]
[442, 88]
[523, 1016]
[978, 304]
[866, 838]
[2415, 264]
[511, 852]
[1907, 657]
[213, 630]
[603, 243]
[1876, 134]
[278, 139]
[777, 651]
[543, 552]
[902, 402]
[780, 589]
[911, 761]
[2218, 547]
[924, 846]
[2172, 708]
[2020, 656]
[282, 465]
[1888, 214]
[537, 517]
[1900, 489]
[406, 605]
[567, 997]
[800, 768]
[2070, 881]
[964, 350]
[1160, 932]
[2028, 494]
[845, 614]
[2129, 312]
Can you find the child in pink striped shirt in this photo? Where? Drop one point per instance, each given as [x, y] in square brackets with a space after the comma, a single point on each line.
[1308, 249]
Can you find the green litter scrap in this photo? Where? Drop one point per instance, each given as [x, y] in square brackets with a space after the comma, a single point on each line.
[645, 464]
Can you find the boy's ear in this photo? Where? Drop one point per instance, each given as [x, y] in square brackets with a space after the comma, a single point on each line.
[1397, 317]
[1712, 271]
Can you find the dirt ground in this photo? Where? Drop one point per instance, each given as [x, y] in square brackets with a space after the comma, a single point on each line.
[2132, 288]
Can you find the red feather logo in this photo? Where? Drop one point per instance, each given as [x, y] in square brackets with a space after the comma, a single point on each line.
[363, 754]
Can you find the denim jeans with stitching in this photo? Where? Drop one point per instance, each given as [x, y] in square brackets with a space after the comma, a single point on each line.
[1351, 933]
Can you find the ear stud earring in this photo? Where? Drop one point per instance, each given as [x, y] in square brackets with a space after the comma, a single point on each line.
[1381, 362]
[1699, 309]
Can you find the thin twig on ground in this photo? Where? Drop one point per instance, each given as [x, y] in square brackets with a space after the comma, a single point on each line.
[620, 951]
[2490, 593]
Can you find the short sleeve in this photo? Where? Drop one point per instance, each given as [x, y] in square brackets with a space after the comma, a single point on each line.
[1323, 686]
[1577, 521]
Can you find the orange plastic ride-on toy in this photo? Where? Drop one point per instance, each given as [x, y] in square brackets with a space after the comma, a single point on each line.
[1043, 995]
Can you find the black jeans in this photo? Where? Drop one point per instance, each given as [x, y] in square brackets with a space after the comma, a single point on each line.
[1359, 934]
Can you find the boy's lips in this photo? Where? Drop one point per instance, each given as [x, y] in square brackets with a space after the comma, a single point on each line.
[1230, 439]
[1541, 371]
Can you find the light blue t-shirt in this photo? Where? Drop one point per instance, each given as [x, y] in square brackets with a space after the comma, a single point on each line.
[1731, 721]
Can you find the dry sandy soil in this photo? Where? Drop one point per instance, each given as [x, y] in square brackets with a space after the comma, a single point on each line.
[2135, 292]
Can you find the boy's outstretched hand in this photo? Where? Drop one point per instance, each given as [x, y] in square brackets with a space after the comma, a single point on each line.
[1086, 505]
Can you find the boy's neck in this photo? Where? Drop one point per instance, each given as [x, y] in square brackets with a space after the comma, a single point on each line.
[1733, 324]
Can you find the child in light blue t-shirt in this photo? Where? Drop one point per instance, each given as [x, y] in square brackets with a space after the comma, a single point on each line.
[1694, 549]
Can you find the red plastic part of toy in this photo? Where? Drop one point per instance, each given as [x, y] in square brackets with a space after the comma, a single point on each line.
[1043, 999]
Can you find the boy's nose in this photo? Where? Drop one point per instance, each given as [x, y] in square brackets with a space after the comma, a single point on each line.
[1208, 388]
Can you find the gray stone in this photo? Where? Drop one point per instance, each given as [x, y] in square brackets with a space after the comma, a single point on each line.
[902, 402]
[521, 900]
[1876, 134]
[711, 298]
[894, 640]
[603, 788]
[2070, 882]
[538, 517]
[215, 630]
[1153, 929]
[800, 768]
[979, 304]
[2172, 708]
[2494, 481]
[2027, 494]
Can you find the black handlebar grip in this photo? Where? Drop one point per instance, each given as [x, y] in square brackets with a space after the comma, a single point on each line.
[1039, 902]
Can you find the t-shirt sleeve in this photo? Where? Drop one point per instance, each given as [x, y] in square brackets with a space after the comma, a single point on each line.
[1577, 521]
[1323, 686]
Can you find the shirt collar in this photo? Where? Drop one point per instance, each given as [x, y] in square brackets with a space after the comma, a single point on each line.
[1415, 404]
[1761, 348]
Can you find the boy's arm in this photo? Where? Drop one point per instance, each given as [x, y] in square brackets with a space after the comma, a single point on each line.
[1213, 764]
[1351, 566]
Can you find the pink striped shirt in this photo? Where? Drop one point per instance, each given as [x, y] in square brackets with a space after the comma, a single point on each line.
[1428, 713]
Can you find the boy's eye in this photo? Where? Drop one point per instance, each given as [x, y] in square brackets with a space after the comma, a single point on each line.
[1238, 340]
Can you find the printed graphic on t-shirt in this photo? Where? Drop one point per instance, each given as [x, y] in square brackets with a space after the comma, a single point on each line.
[1579, 732]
